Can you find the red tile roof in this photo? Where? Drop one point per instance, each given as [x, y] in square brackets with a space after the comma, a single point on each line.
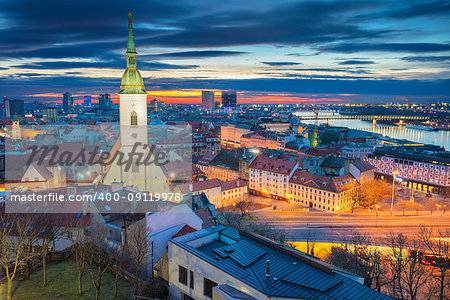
[185, 230]
[205, 184]
[274, 165]
[233, 184]
[206, 215]
[332, 184]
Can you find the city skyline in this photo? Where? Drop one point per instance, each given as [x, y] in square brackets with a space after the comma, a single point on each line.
[309, 52]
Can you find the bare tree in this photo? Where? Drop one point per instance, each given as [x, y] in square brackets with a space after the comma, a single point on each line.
[49, 232]
[80, 252]
[311, 241]
[438, 244]
[116, 254]
[13, 242]
[33, 234]
[415, 274]
[137, 249]
[98, 260]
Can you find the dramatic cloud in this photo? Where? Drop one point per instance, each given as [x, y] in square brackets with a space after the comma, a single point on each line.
[427, 58]
[387, 47]
[280, 63]
[356, 62]
[215, 43]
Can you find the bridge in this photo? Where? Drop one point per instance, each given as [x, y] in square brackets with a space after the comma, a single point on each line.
[363, 117]
[373, 118]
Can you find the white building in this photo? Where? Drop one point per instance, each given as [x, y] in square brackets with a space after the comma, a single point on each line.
[270, 176]
[224, 263]
[333, 194]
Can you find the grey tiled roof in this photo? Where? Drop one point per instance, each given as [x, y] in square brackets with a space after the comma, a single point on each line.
[292, 274]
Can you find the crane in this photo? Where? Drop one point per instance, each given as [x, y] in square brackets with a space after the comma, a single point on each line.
[316, 123]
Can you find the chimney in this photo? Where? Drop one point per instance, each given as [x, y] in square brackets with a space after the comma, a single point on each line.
[267, 268]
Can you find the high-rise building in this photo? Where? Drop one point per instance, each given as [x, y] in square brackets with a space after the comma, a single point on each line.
[229, 99]
[14, 107]
[87, 103]
[67, 102]
[104, 101]
[207, 100]
[50, 114]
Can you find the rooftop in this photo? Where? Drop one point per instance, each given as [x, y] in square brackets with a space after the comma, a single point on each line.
[291, 273]
[332, 184]
[274, 165]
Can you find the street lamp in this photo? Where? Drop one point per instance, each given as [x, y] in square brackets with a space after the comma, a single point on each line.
[437, 215]
[394, 174]
[376, 218]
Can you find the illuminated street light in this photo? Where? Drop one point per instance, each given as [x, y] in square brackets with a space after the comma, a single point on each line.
[394, 174]
[437, 215]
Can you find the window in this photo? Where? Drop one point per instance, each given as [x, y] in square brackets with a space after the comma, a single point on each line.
[182, 275]
[208, 285]
[134, 120]
[191, 279]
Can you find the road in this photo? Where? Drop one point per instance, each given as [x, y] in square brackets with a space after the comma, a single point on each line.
[335, 227]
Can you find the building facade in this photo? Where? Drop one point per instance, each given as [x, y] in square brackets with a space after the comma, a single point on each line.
[207, 100]
[333, 194]
[67, 102]
[270, 177]
[419, 168]
[229, 99]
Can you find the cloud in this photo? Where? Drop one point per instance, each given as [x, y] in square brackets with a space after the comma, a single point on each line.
[280, 63]
[386, 47]
[357, 62]
[426, 58]
[113, 64]
[195, 54]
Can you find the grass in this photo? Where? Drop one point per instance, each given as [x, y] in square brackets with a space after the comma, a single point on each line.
[63, 284]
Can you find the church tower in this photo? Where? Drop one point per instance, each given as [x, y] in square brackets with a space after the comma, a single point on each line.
[132, 94]
[134, 131]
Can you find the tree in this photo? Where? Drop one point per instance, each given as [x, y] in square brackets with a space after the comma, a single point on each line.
[98, 260]
[137, 249]
[80, 253]
[33, 234]
[116, 253]
[370, 193]
[438, 244]
[13, 242]
[49, 233]
[311, 241]
[242, 220]
[397, 245]
[430, 204]
[415, 274]
[404, 204]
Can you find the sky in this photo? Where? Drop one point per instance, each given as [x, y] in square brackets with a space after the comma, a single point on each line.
[270, 51]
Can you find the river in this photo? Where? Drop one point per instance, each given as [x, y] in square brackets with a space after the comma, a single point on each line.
[440, 138]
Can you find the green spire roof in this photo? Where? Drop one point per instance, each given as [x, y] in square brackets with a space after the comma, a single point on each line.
[131, 47]
[132, 82]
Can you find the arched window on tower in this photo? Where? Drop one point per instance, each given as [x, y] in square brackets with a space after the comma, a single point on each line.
[134, 120]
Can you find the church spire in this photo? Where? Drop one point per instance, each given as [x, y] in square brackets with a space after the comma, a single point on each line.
[132, 82]
[131, 48]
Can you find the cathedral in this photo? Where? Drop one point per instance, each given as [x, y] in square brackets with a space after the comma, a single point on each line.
[134, 130]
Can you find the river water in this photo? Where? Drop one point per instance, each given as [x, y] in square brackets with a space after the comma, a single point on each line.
[440, 138]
